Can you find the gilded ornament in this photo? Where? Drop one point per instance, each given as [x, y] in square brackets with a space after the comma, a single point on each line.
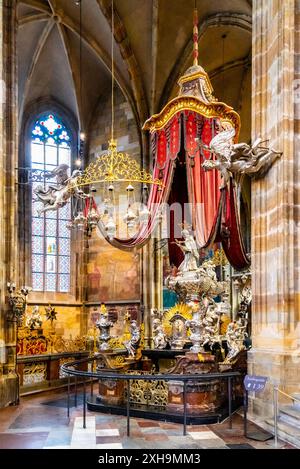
[114, 166]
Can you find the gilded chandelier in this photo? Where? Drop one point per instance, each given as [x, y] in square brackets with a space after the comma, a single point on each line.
[110, 170]
[113, 167]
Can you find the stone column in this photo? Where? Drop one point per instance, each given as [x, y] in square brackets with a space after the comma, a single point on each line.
[151, 285]
[8, 195]
[276, 200]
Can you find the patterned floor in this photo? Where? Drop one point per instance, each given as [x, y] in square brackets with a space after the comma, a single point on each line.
[40, 421]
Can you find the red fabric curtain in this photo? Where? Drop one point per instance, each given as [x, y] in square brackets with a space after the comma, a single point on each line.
[204, 192]
[229, 231]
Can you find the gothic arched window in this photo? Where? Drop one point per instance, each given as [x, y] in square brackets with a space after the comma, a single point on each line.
[50, 147]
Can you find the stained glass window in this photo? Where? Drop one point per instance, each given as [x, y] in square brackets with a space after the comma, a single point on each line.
[50, 146]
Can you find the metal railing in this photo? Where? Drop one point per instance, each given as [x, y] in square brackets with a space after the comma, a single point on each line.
[91, 376]
[277, 391]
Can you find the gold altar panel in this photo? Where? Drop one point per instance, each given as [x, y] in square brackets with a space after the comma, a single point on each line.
[67, 324]
[112, 274]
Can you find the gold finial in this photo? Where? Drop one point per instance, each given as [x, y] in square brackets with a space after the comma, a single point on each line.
[112, 144]
[195, 35]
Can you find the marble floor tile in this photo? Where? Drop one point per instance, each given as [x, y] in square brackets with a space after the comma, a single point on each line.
[35, 425]
[22, 440]
[145, 423]
[107, 439]
[107, 432]
[155, 437]
[206, 435]
[109, 446]
[56, 447]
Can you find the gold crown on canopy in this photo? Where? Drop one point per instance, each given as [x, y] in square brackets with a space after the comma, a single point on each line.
[196, 94]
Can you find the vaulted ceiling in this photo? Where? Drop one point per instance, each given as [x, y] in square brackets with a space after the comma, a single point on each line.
[152, 48]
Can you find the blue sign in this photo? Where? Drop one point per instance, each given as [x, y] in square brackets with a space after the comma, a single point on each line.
[255, 383]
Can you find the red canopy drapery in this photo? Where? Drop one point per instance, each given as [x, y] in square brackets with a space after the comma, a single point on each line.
[204, 193]
[214, 211]
[184, 125]
[229, 231]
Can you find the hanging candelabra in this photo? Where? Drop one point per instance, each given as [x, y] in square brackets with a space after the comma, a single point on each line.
[107, 175]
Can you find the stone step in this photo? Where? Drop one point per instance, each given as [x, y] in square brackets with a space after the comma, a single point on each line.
[291, 415]
[286, 432]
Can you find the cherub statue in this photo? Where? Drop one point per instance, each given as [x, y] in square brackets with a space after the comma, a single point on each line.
[235, 336]
[208, 268]
[34, 321]
[239, 158]
[135, 337]
[57, 195]
[190, 250]
[211, 326]
[159, 336]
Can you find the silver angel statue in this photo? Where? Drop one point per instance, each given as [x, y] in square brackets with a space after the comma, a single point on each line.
[56, 195]
[190, 251]
[104, 326]
[239, 158]
[235, 336]
[133, 343]
[159, 336]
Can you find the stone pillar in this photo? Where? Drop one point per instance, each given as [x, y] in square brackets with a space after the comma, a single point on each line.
[151, 285]
[8, 196]
[276, 200]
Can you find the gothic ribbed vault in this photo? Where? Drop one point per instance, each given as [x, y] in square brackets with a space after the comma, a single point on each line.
[151, 52]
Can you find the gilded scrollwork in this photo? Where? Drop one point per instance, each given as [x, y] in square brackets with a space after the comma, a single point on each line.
[187, 103]
[34, 373]
[151, 393]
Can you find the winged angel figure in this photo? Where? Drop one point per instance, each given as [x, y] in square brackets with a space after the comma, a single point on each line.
[239, 158]
[57, 194]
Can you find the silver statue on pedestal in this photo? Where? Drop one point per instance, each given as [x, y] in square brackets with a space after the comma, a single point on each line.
[159, 337]
[211, 326]
[104, 326]
[133, 343]
[196, 325]
[158, 334]
[189, 248]
[197, 285]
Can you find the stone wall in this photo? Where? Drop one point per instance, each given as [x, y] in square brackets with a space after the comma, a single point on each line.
[275, 200]
[8, 197]
[125, 129]
[112, 275]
